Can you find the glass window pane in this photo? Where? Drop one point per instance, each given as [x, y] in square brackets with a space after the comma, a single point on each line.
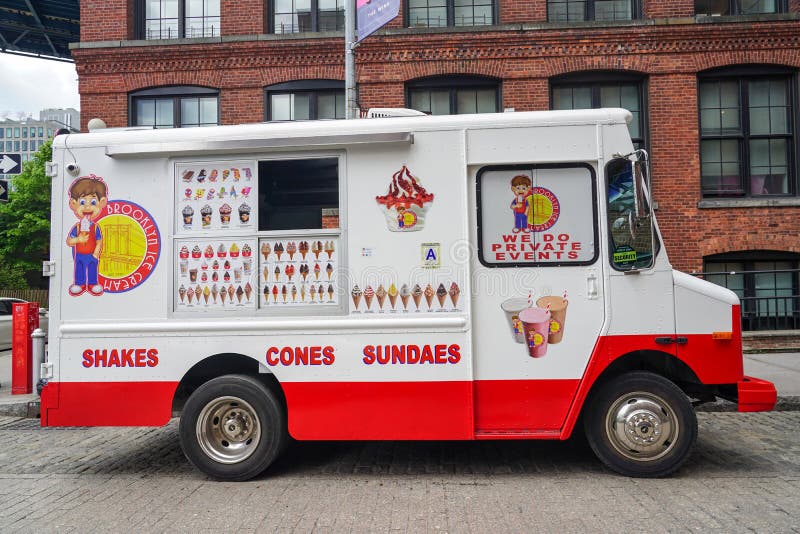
[751, 7]
[326, 106]
[164, 113]
[302, 107]
[440, 103]
[562, 98]
[208, 110]
[145, 112]
[420, 100]
[612, 10]
[610, 96]
[712, 7]
[487, 101]
[190, 112]
[280, 107]
[466, 101]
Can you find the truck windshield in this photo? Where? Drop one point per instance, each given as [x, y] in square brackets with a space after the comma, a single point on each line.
[630, 239]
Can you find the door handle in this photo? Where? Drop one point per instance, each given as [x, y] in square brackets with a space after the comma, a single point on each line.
[591, 286]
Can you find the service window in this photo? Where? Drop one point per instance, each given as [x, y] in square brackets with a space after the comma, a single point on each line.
[298, 206]
[537, 216]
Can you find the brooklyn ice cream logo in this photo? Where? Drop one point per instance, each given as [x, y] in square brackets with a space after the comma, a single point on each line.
[406, 203]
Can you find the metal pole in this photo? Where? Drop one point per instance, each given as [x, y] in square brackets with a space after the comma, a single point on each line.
[350, 59]
[39, 337]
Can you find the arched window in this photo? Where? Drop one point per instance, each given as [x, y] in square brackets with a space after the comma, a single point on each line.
[305, 100]
[747, 143]
[591, 90]
[174, 107]
[454, 95]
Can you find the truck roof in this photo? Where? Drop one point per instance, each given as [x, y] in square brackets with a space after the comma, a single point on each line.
[160, 140]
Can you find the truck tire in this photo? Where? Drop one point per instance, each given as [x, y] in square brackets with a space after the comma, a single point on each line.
[641, 425]
[232, 428]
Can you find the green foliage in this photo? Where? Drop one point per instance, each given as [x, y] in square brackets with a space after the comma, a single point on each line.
[25, 223]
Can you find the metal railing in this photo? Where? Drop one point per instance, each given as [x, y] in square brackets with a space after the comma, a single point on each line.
[763, 307]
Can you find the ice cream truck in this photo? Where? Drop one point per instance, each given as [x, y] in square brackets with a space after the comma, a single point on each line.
[469, 277]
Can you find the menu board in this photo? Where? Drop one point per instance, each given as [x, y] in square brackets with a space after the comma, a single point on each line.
[215, 274]
[299, 272]
[215, 196]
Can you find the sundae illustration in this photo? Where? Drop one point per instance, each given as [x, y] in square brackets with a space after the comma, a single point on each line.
[406, 203]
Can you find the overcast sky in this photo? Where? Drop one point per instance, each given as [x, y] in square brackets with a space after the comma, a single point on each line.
[29, 84]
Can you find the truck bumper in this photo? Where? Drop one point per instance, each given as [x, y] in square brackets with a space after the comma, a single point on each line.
[755, 395]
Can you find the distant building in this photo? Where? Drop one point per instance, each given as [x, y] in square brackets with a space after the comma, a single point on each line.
[68, 118]
[25, 137]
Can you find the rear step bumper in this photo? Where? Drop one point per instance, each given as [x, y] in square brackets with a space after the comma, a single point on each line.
[755, 395]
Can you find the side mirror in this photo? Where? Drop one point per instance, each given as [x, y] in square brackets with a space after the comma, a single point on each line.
[639, 171]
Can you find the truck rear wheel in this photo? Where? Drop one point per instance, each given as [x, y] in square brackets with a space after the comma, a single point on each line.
[641, 424]
[232, 428]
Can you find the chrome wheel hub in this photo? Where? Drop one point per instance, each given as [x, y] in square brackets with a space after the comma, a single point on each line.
[228, 430]
[642, 426]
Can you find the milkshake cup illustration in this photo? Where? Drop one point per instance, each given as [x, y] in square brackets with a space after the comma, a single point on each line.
[512, 307]
[193, 275]
[535, 327]
[184, 267]
[558, 315]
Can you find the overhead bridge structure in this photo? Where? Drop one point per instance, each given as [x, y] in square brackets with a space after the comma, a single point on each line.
[41, 28]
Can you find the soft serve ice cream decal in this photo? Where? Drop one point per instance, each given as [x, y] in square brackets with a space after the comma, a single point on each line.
[406, 203]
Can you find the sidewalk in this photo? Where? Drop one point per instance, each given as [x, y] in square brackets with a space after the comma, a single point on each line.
[782, 369]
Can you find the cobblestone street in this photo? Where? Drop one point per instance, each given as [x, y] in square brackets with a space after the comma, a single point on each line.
[743, 476]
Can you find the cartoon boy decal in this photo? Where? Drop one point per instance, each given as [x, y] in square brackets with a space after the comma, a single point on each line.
[88, 196]
[520, 186]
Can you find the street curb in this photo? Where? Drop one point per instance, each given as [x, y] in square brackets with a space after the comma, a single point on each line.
[788, 403]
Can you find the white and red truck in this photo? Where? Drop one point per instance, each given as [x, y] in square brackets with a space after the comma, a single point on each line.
[418, 278]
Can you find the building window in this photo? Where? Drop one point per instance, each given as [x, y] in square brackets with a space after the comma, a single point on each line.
[41, 131]
[16, 146]
[8, 146]
[747, 145]
[305, 100]
[603, 90]
[25, 132]
[601, 10]
[766, 282]
[296, 16]
[738, 7]
[454, 95]
[2, 132]
[173, 19]
[16, 133]
[174, 107]
[440, 13]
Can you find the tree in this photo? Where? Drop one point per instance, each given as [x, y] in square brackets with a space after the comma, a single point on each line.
[25, 224]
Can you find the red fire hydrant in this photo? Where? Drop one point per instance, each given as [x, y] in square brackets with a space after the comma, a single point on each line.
[25, 319]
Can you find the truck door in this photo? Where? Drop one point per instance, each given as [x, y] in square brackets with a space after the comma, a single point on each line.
[537, 293]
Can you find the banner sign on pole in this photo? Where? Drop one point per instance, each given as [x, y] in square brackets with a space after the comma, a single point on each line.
[373, 14]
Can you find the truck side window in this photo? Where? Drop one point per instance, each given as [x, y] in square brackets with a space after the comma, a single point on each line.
[298, 194]
[631, 244]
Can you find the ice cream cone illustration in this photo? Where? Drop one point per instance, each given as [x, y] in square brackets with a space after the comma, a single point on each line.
[266, 294]
[454, 293]
[274, 293]
[291, 249]
[404, 295]
[392, 295]
[329, 249]
[294, 293]
[248, 290]
[277, 273]
[320, 292]
[304, 271]
[302, 292]
[265, 250]
[214, 292]
[330, 292]
[381, 294]
[356, 294]
[239, 293]
[182, 293]
[230, 292]
[303, 249]
[279, 250]
[369, 294]
[206, 294]
[416, 294]
[190, 294]
[289, 270]
[312, 292]
[441, 295]
[429, 295]
[223, 294]
[283, 293]
[316, 271]
[329, 270]
[266, 274]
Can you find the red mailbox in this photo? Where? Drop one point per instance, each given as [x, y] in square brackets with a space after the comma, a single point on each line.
[25, 320]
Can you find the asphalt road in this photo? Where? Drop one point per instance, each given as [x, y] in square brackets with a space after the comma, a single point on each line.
[744, 476]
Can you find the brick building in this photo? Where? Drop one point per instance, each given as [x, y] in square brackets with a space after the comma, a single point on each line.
[713, 85]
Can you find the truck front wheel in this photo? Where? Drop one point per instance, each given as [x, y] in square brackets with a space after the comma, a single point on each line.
[232, 428]
[641, 424]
